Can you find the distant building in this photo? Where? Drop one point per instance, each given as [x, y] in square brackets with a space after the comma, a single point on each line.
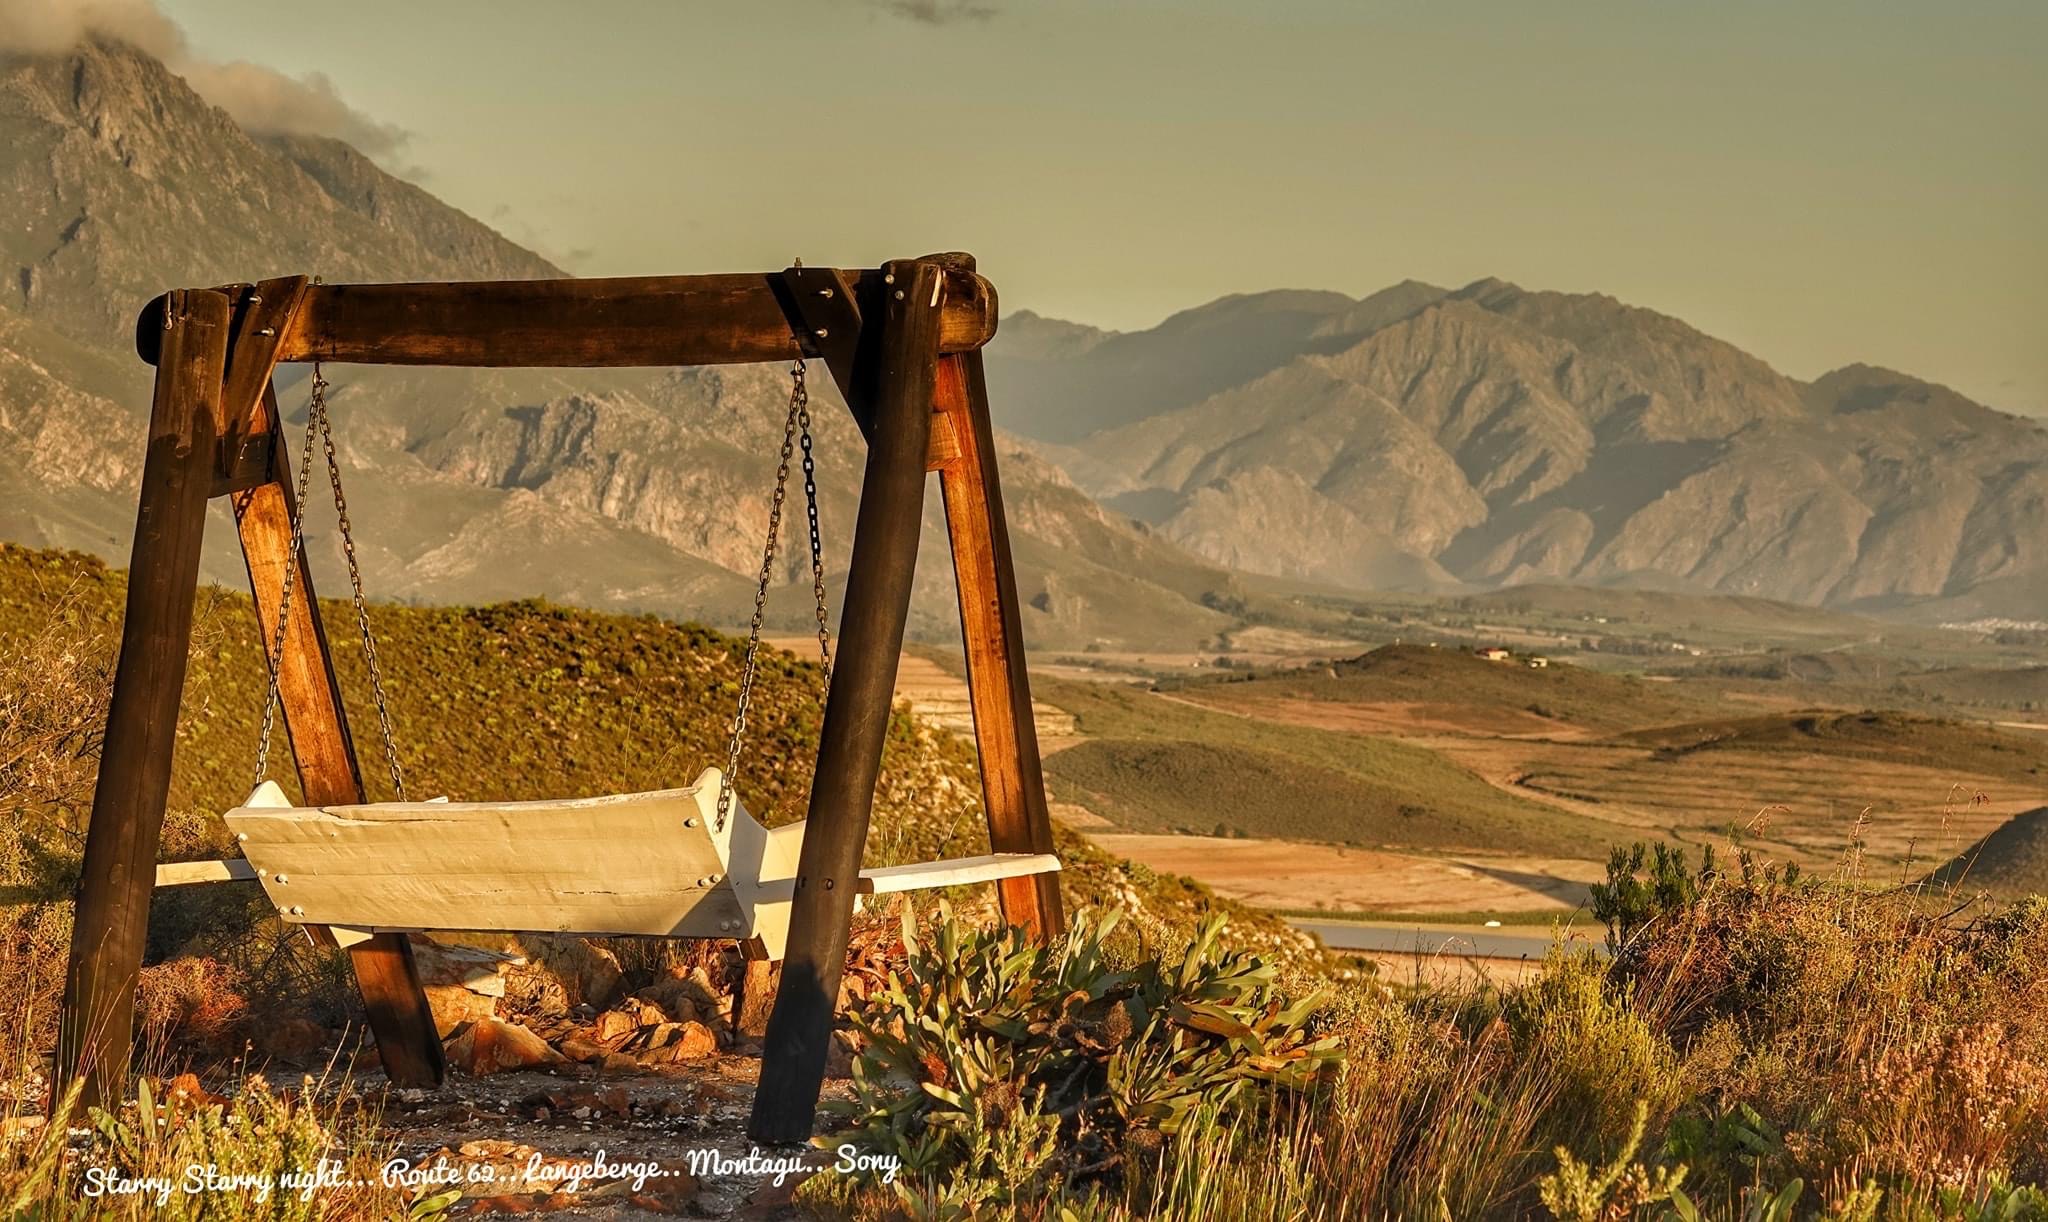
[1538, 663]
[1496, 654]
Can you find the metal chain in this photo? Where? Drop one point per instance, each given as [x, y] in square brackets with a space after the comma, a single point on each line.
[803, 399]
[274, 657]
[797, 425]
[355, 580]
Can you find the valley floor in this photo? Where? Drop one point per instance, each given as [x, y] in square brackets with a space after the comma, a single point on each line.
[1694, 761]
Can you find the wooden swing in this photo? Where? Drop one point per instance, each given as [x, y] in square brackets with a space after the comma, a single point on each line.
[623, 865]
[676, 863]
[903, 344]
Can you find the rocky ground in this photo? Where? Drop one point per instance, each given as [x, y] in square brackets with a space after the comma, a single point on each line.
[570, 1091]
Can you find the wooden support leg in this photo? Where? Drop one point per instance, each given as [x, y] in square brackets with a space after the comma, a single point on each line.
[991, 625]
[857, 710]
[112, 920]
[389, 981]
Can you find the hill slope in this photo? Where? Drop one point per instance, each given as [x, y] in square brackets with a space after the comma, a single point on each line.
[2011, 861]
[526, 700]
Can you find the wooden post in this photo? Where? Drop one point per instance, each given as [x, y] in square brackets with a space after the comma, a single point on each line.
[329, 773]
[992, 628]
[112, 921]
[857, 710]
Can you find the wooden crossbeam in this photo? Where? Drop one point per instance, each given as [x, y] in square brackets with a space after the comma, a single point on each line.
[602, 323]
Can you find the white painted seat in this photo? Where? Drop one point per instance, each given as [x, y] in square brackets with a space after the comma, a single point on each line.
[639, 864]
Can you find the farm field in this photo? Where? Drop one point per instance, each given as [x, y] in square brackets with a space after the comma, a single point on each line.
[1430, 781]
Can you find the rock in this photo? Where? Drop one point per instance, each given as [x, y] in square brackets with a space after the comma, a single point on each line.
[186, 1091]
[294, 1039]
[757, 997]
[673, 997]
[469, 967]
[615, 1025]
[586, 973]
[454, 1005]
[773, 1200]
[839, 1055]
[578, 1049]
[462, 983]
[536, 992]
[493, 1045]
[695, 1040]
[671, 1192]
[619, 1062]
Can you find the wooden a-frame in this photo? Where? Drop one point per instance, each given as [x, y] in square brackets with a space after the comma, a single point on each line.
[903, 342]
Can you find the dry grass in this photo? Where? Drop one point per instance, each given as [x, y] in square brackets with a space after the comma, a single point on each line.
[1883, 1051]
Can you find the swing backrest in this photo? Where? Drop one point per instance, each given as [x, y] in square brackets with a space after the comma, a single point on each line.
[651, 864]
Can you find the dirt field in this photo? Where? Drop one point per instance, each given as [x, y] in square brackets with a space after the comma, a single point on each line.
[1802, 805]
[1806, 806]
[1281, 874]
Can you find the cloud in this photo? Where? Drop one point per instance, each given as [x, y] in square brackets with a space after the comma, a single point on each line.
[263, 100]
[937, 12]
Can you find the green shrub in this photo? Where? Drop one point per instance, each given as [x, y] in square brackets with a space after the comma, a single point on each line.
[999, 1070]
[1602, 1053]
[1643, 883]
[1579, 1192]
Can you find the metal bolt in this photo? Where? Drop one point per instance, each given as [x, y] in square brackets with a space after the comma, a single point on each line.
[899, 294]
[298, 911]
[689, 823]
[828, 884]
[827, 293]
[267, 331]
[241, 835]
[282, 879]
[255, 299]
[888, 277]
[821, 333]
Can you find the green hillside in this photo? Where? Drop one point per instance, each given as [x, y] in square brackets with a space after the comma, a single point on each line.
[1902, 738]
[1154, 762]
[527, 699]
[1448, 678]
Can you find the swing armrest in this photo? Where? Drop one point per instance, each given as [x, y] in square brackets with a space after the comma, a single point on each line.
[953, 872]
[179, 873]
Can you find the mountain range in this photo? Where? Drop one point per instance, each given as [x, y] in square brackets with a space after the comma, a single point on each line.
[629, 489]
[1428, 438]
[1419, 438]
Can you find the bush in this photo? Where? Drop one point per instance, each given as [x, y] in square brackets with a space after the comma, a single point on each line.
[1603, 1055]
[999, 1070]
[1643, 883]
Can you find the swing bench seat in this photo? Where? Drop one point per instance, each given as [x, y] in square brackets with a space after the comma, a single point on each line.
[641, 864]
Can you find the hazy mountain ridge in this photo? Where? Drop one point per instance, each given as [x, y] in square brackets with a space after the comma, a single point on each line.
[1493, 435]
[612, 488]
[1419, 438]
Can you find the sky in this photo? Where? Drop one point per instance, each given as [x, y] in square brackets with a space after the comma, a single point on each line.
[1817, 182]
